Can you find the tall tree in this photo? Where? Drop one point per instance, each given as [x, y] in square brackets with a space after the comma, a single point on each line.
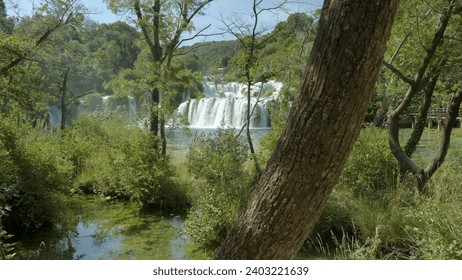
[323, 124]
[66, 77]
[21, 51]
[163, 24]
[51, 16]
[114, 47]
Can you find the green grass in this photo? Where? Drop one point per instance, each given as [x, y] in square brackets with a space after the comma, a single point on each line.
[366, 219]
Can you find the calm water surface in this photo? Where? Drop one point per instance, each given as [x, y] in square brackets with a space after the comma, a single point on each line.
[101, 230]
[96, 229]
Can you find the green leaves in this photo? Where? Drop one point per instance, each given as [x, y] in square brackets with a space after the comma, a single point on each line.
[218, 159]
[121, 163]
[371, 168]
[218, 164]
[38, 171]
[6, 248]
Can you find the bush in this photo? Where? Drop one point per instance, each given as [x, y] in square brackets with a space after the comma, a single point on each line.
[123, 163]
[218, 159]
[6, 247]
[35, 176]
[218, 164]
[369, 175]
[371, 216]
[337, 217]
[371, 169]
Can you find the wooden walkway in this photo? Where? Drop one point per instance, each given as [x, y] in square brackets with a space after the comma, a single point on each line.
[438, 114]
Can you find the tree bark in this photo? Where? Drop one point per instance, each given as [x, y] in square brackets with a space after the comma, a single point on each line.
[448, 123]
[322, 127]
[63, 100]
[160, 53]
[421, 118]
[155, 48]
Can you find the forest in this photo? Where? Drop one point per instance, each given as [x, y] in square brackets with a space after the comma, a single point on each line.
[123, 141]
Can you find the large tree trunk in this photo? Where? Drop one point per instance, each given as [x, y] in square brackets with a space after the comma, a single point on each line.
[322, 127]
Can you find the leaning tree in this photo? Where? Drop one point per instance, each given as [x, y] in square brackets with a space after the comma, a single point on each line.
[323, 124]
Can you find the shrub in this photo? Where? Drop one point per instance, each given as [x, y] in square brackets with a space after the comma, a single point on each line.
[369, 175]
[371, 169]
[35, 175]
[218, 164]
[337, 217]
[123, 163]
[371, 216]
[218, 159]
[350, 247]
[6, 191]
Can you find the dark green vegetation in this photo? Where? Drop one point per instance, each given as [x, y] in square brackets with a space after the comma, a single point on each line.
[128, 168]
[218, 165]
[58, 57]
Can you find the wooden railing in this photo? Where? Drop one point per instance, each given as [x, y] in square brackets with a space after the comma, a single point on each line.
[436, 113]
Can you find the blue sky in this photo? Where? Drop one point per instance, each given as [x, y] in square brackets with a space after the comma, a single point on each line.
[216, 10]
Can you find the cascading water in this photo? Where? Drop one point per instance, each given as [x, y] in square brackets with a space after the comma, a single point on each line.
[132, 107]
[91, 104]
[106, 102]
[117, 103]
[226, 105]
[232, 89]
[54, 116]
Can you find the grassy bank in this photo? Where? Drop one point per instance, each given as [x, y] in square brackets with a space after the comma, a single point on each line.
[372, 213]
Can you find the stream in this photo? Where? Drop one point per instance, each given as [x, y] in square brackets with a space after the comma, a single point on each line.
[96, 229]
[102, 230]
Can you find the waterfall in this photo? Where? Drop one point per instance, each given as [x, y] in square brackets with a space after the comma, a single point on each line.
[232, 89]
[93, 103]
[132, 107]
[54, 116]
[121, 104]
[106, 102]
[226, 105]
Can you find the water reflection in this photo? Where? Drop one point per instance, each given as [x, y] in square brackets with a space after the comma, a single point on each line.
[106, 231]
